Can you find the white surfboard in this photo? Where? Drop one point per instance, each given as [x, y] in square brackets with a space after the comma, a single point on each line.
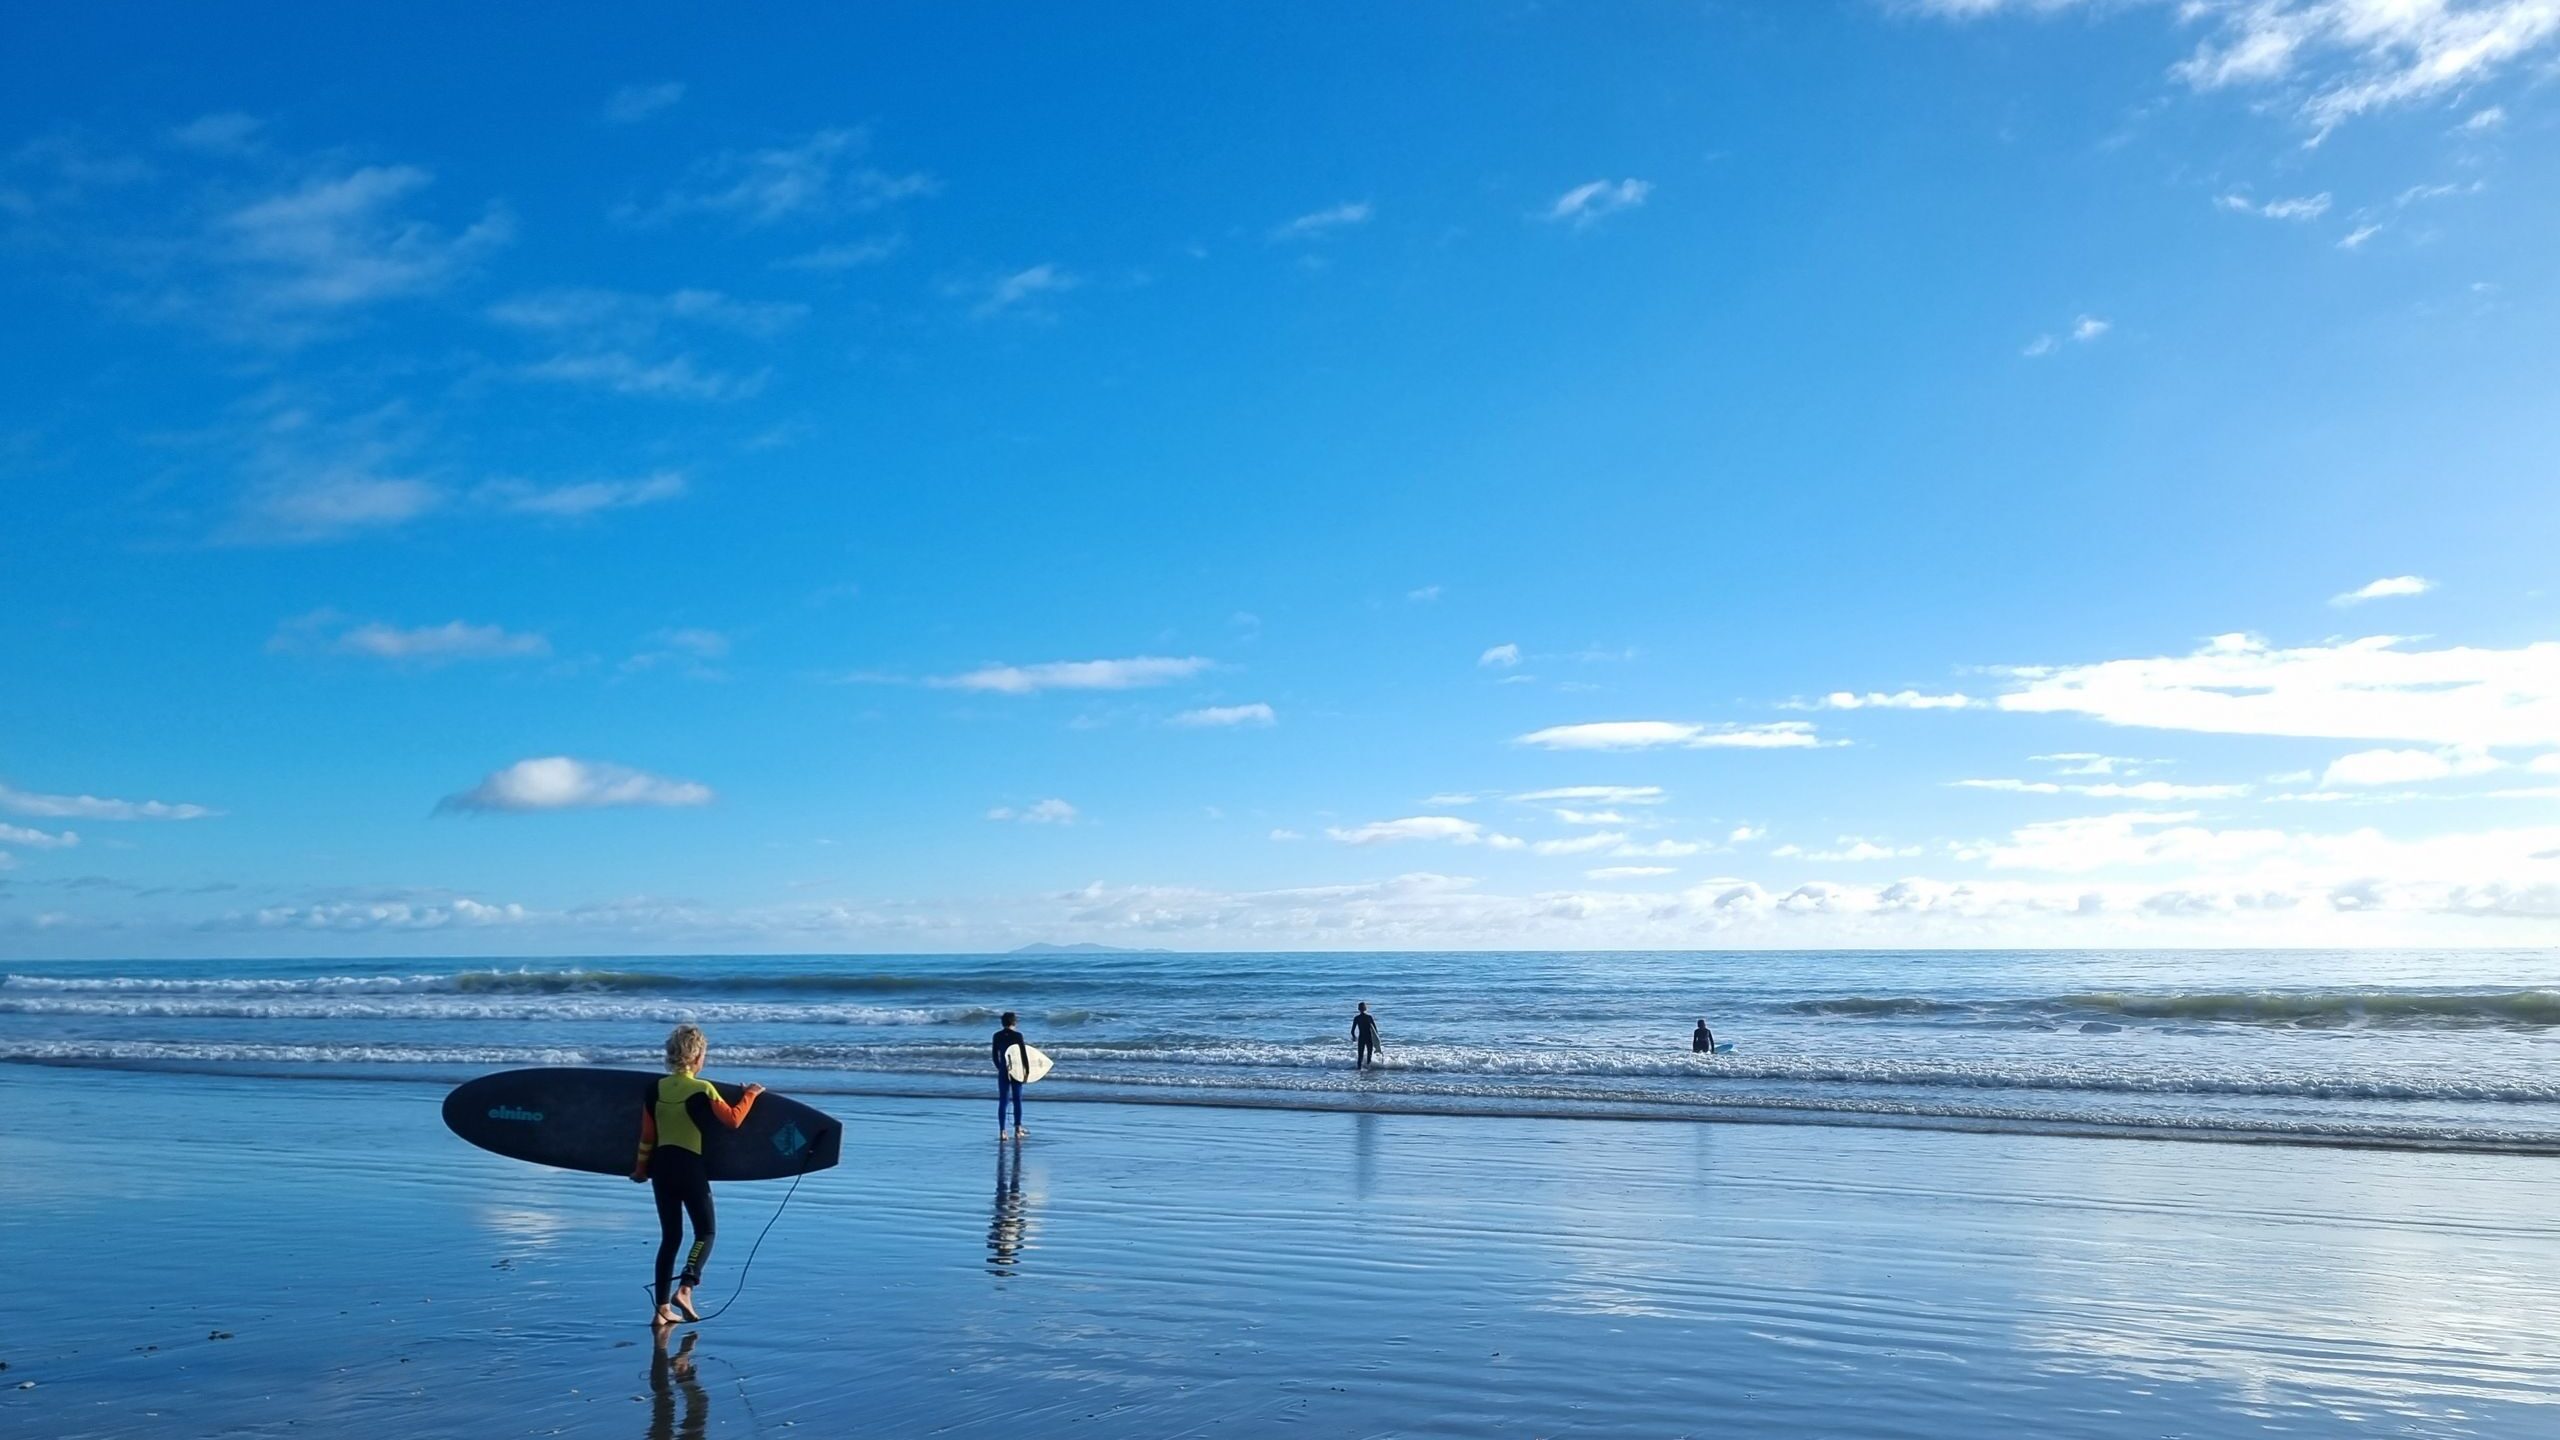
[1026, 1063]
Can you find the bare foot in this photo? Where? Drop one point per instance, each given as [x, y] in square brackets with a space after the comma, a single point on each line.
[663, 1318]
[684, 1304]
[1021, 1130]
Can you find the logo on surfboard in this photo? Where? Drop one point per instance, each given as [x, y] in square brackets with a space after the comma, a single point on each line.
[510, 1112]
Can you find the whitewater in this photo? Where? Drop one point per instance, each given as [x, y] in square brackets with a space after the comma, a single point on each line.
[2437, 1049]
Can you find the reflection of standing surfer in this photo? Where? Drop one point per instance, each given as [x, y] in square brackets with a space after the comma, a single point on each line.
[672, 1115]
[1008, 1085]
[678, 1367]
[1005, 1232]
[1364, 1033]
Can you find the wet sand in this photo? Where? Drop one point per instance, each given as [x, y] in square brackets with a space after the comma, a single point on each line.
[206, 1256]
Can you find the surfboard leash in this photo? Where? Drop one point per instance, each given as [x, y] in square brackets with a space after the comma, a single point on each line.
[752, 1249]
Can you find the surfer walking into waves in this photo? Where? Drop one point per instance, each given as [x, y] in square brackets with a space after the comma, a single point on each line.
[1009, 1089]
[672, 1116]
[1364, 1034]
[1702, 1041]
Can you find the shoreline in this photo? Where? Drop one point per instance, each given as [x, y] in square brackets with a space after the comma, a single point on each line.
[1775, 1113]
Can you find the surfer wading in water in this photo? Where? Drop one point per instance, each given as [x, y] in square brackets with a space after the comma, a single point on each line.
[1364, 1034]
[672, 1116]
[1008, 1089]
[1702, 1041]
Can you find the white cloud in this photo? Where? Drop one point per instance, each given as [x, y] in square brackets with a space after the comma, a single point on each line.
[1324, 222]
[1423, 595]
[2388, 588]
[331, 501]
[1136, 672]
[634, 103]
[619, 317]
[1657, 734]
[557, 782]
[2368, 768]
[1745, 834]
[1451, 797]
[2337, 59]
[677, 377]
[846, 255]
[581, 499]
[2040, 347]
[1596, 794]
[2132, 839]
[2545, 764]
[1501, 657]
[1227, 715]
[2483, 121]
[1046, 812]
[1851, 849]
[1024, 286]
[336, 242]
[1286, 834]
[1422, 827]
[2144, 790]
[2088, 328]
[2354, 239]
[1582, 844]
[1627, 872]
[1658, 850]
[1584, 204]
[452, 640]
[1592, 817]
[92, 807]
[38, 839]
[823, 175]
[2374, 688]
[1898, 700]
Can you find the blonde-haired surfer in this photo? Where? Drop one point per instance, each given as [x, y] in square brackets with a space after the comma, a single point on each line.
[672, 1116]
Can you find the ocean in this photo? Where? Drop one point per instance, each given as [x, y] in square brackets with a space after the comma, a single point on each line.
[2446, 1049]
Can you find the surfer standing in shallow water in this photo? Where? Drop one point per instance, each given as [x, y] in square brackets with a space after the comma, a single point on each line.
[1008, 1089]
[1364, 1034]
[672, 1116]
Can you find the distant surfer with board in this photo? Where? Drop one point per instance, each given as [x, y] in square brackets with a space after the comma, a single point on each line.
[672, 1115]
[1364, 1034]
[1702, 1041]
[1010, 1074]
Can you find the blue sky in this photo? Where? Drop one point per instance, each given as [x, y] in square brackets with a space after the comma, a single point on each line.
[929, 477]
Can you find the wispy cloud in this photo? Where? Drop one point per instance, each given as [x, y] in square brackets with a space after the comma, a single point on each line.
[634, 103]
[1349, 214]
[1227, 716]
[1134, 673]
[1673, 734]
[2366, 769]
[557, 782]
[2086, 330]
[825, 174]
[578, 500]
[92, 807]
[1020, 289]
[1500, 657]
[32, 839]
[2143, 790]
[336, 242]
[2298, 207]
[2376, 688]
[1896, 700]
[1423, 594]
[1595, 795]
[1585, 204]
[2338, 58]
[846, 255]
[326, 630]
[1423, 827]
[1052, 811]
[2390, 587]
[679, 377]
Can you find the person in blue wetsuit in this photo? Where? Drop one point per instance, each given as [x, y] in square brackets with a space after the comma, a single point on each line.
[673, 1113]
[1008, 1089]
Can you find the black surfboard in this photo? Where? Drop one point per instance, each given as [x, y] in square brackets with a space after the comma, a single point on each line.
[588, 1119]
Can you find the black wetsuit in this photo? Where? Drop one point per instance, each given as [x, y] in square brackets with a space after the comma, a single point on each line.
[1703, 1040]
[1364, 1033]
[1008, 1089]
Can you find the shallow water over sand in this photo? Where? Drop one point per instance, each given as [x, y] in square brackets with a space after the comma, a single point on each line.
[1143, 1270]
